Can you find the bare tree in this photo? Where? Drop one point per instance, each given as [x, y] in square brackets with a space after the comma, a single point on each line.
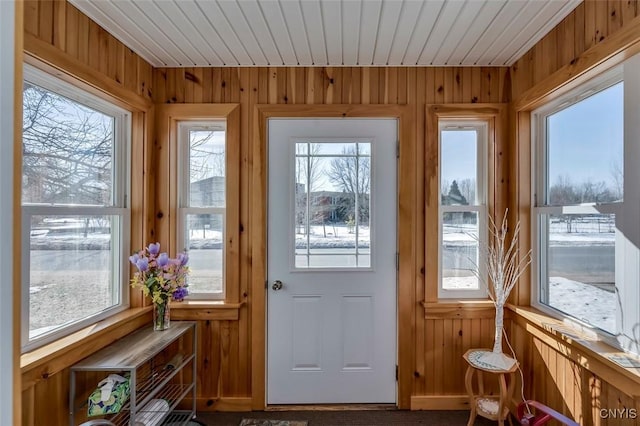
[67, 150]
[308, 175]
[444, 189]
[468, 190]
[352, 174]
[595, 192]
[563, 192]
[207, 159]
[207, 170]
[617, 174]
[67, 154]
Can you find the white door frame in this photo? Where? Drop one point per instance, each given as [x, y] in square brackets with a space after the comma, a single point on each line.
[408, 264]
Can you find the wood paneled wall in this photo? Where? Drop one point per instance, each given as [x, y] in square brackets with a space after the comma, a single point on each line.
[58, 24]
[437, 365]
[591, 23]
[62, 40]
[556, 373]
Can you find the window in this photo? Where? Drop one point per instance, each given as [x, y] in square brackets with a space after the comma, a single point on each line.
[202, 213]
[462, 206]
[332, 204]
[586, 204]
[75, 220]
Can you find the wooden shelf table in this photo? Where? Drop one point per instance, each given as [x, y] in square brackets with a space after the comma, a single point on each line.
[489, 406]
[150, 375]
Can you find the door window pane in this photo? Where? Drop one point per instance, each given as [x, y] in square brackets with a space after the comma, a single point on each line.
[332, 204]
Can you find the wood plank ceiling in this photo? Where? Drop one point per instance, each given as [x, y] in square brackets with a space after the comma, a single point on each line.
[186, 33]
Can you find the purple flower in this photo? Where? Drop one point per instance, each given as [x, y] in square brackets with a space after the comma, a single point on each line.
[134, 259]
[142, 264]
[154, 248]
[183, 258]
[180, 293]
[163, 260]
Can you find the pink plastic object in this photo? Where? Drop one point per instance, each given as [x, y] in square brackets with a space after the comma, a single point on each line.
[543, 415]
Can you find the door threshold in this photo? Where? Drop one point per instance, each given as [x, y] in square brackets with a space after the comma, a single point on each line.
[331, 407]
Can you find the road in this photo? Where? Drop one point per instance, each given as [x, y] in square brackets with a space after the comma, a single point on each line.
[81, 260]
[589, 264]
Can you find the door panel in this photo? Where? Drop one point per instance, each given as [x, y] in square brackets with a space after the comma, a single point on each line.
[331, 328]
[357, 332]
[307, 333]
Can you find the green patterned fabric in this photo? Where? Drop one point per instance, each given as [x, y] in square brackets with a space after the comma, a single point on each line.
[117, 397]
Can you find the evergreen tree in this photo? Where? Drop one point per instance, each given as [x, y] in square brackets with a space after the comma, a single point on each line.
[455, 196]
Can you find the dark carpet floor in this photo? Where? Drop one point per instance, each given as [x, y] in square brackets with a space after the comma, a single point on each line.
[361, 418]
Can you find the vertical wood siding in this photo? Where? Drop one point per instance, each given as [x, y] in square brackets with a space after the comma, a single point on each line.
[434, 340]
[551, 375]
[81, 48]
[592, 22]
[58, 23]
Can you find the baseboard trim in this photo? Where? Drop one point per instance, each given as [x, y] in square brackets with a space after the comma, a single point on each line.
[331, 407]
[221, 404]
[421, 402]
[440, 402]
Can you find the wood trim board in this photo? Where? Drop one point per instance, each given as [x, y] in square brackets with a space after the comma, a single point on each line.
[407, 236]
[167, 117]
[612, 51]
[497, 174]
[16, 282]
[55, 61]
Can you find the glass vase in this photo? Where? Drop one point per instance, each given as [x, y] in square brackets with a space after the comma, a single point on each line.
[161, 316]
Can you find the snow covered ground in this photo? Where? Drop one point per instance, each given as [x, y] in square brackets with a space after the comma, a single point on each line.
[586, 302]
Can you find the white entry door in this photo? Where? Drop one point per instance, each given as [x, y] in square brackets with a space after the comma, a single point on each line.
[332, 261]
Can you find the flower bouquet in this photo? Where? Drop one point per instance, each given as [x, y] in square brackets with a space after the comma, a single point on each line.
[162, 279]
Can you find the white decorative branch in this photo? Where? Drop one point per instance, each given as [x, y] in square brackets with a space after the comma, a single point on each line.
[504, 268]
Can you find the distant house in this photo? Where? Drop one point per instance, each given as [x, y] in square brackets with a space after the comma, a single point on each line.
[207, 192]
[331, 206]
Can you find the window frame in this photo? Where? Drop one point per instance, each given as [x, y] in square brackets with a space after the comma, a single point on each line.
[167, 117]
[539, 187]
[119, 207]
[184, 192]
[480, 206]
